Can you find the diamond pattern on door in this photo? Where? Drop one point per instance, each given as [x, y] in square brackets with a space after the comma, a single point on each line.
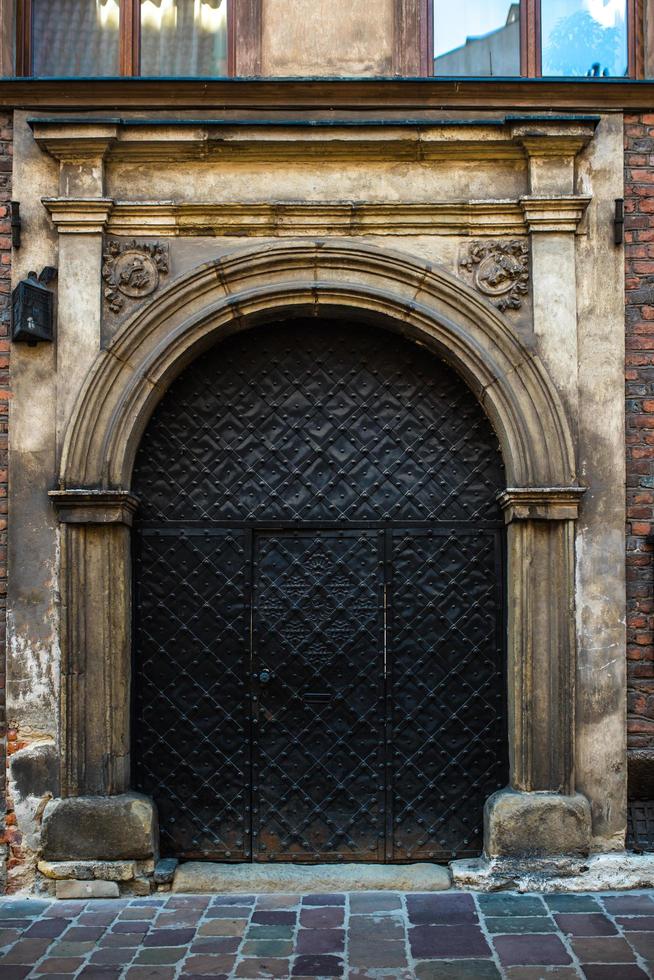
[191, 697]
[446, 721]
[318, 744]
[319, 645]
[318, 422]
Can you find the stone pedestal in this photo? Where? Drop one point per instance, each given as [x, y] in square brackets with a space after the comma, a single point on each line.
[536, 825]
[100, 828]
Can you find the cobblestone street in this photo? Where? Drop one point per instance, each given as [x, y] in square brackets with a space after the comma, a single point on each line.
[356, 935]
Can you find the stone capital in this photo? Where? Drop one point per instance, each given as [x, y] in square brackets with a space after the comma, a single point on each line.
[79, 216]
[94, 506]
[553, 141]
[553, 214]
[541, 503]
[75, 141]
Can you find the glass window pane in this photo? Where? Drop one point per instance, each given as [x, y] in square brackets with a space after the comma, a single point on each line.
[75, 37]
[584, 37]
[476, 37]
[184, 37]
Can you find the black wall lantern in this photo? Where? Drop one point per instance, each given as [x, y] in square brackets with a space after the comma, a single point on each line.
[32, 308]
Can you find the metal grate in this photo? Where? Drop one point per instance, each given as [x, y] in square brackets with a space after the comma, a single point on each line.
[640, 825]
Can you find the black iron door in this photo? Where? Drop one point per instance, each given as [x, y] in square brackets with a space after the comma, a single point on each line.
[319, 620]
[318, 747]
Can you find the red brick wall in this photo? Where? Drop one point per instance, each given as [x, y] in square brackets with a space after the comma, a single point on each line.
[639, 259]
[6, 148]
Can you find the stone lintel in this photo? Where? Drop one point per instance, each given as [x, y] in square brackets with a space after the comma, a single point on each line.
[553, 214]
[479, 217]
[79, 216]
[94, 506]
[541, 503]
[287, 218]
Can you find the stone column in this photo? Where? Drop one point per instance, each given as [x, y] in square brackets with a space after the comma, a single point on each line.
[540, 812]
[95, 586]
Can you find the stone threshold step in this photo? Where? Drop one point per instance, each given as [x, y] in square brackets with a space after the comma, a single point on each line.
[200, 877]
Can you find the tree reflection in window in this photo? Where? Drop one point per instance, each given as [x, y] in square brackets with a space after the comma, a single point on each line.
[477, 37]
[584, 37]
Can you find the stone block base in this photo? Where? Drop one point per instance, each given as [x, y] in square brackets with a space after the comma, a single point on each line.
[86, 889]
[88, 870]
[536, 825]
[601, 872]
[100, 828]
[202, 877]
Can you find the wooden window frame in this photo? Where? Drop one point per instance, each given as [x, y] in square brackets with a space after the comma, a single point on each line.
[243, 38]
[413, 53]
[531, 38]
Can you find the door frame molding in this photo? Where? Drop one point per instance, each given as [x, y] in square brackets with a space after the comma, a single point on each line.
[330, 279]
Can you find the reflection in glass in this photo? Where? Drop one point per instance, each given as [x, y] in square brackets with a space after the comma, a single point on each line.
[184, 37]
[75, 37]
[584, 37]
[476, 37]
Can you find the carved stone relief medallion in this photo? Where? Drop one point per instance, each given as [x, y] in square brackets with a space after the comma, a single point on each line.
[132, 270]
[500, 271]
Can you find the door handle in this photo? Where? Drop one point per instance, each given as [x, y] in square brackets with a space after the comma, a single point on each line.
[265, 676]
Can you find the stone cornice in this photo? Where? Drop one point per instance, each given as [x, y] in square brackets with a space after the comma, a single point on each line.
[94, 506]
[79, 216]
[423, 140]
[541, 503]
[283, 218]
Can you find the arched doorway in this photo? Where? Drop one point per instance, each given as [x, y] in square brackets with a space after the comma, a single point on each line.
[319, 653]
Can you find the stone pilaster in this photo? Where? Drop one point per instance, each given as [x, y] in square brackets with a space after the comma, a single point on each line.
[542, 636]
[95, 582]
[540, 813]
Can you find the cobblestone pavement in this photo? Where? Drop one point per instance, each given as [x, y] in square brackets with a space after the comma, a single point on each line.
[451, 935]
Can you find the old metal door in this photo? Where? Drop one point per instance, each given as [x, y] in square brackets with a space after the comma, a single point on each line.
[319, 617]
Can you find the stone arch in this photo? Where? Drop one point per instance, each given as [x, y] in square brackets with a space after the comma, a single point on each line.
[316, 278]
[328, 278]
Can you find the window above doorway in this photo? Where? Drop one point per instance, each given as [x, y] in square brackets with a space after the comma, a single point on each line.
[77, 38]
[536, 38]
[223, 38]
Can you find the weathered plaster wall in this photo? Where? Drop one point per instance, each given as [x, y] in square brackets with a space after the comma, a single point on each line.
[32, 619]
[600, 709]
[327, 37]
